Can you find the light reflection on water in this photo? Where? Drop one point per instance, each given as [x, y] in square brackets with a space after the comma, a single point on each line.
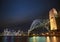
[30, 39]
[54, 39]
[47, 39]
[37, 39]
[34, 39]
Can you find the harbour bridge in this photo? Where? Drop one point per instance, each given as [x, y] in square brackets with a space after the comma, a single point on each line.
[39, 24]
[48, 24]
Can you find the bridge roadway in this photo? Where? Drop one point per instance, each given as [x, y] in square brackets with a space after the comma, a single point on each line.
[51, 33]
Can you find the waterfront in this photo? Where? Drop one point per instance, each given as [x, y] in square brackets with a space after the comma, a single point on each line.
[29, 39]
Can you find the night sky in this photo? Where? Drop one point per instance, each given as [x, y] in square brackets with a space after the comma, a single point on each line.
[19, 14]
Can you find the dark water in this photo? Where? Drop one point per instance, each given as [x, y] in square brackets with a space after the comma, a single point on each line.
[29, 39]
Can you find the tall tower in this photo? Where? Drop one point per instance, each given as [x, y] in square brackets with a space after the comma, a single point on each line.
[52, 15]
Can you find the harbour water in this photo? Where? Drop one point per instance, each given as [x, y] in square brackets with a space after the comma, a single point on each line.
[29, 39]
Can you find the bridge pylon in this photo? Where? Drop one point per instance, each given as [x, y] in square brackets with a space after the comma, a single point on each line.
[52, 15]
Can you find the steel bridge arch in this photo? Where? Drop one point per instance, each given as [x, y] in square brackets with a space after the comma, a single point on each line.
[38, 23]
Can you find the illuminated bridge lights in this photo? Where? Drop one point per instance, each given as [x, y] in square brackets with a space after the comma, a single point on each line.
[42, 34]
[33, 34]
[47, 33]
